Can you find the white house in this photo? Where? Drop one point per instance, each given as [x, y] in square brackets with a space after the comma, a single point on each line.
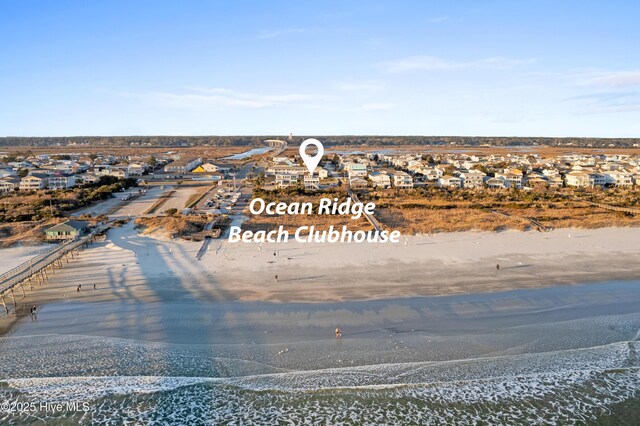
[311, 182]
[322, 173]
[356, 170]
[402, 180]
[104, 170]
[285, 180]
[206, 167]
[495, 183]
[511, 180]
[135, 169]
[448, 181]
[9, 184]
[61, 181]
[380, 179]
[579, 179]
[472, 178]
[619, 178]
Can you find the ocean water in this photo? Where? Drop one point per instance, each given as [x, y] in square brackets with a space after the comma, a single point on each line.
[141, 382]
[560, 365]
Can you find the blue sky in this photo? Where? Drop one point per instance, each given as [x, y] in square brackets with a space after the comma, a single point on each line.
[509, 68]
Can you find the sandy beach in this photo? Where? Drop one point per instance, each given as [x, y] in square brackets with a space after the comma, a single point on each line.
[129, 267]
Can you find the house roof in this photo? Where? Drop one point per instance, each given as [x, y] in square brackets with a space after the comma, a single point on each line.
[69, 225]
[37, 175]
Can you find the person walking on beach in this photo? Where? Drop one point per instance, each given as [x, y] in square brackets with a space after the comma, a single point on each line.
[497, 266]
[94, 286]
[338, 333]
[79, 288]
[276, 277]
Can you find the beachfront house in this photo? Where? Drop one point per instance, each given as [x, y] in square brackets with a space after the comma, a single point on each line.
[34, 181]
[67, 230]
[61, 181]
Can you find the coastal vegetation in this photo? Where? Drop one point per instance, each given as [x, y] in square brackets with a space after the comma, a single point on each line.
[431, 209]
[172, 225]
[46, 204]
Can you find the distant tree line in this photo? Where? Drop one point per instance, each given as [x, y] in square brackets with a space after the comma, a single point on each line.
[363, 141]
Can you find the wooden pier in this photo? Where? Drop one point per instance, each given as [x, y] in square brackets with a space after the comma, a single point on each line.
[37, 270]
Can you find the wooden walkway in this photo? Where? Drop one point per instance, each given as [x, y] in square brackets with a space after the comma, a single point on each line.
[614, 208]
[37, 270]
[372, 220]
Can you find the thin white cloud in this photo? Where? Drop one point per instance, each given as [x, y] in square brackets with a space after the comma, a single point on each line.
[435, 63]
[211, 97]
[612, 79]
[607, 102]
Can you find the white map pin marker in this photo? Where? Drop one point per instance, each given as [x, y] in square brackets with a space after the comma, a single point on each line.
[309, 161]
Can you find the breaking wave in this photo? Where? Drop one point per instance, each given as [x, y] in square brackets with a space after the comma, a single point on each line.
[565, 386]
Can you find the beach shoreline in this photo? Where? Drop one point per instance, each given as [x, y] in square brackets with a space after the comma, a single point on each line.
[127, 266]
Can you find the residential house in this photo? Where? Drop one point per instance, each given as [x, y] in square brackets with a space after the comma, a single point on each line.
[358, 183]
[380, 179]
[67, 230]
[356, 170]
[311, 182]
[402, 180]
[34, 181]
[511, 180]
[136, 169]
[619, 178]
[206, 167]
[322, 173]
[448, 181]
[9, 184]
[183, 165]
[61, 181]
[495, 183]
[472, 178]
[285, 180]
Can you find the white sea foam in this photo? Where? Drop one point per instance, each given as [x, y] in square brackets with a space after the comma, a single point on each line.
[555, 387]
